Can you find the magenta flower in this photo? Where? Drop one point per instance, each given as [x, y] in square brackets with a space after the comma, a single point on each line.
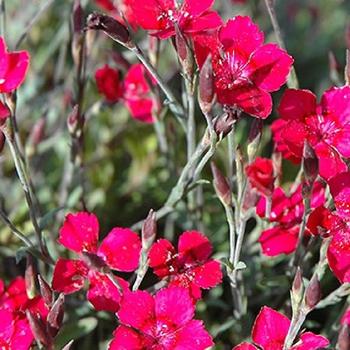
[190, 267]
[108, 83]
[326, 127]
[161, 322]
[119, 250]
[286, 213]
[15, 331]
[245, 69]
[137, 94]
[161, 16]
[270, 330]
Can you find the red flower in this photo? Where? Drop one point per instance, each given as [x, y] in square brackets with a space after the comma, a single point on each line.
[190, 267]
[108, 83]
[15, 331]
[137, 94]
[326, 127]
[287, 213]
[245, 70]
[119, 250]
[260, 174]
[345, 319]
[160, 16]
[270, 330]
[13, 68]
[164, 321]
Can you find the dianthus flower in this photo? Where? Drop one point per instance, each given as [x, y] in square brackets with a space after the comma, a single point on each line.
[326, 127]
[270, 330]
[286, 213]
[161, 322]
[119, 250]
[245, 70]
[261, 175]
[135, 91]
[161, 16]
[15, 331]
[190, 266]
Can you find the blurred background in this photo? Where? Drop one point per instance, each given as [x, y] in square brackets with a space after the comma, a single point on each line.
[124, 172]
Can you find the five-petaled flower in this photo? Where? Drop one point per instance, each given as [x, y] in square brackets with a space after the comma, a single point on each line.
[326, 127]
[164, 321]
[190, 267]
[245, 69]
[15, 331]
[270, 330]
[286, 213]
[119, 250]
[161, 16]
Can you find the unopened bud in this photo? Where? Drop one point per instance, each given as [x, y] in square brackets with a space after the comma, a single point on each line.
[2, 141]
[313, 293]
[45, 291]
[297, 290]
[55, 316]
[29, 277]
[221, 185]
[78, 35]
[343, 342]
[184, 53]
[39, 330]
[254, 138]
[310, 164]
[149, 230]
[78, 17]
[38, 132]
[347, 68]
[206, 93]
[73, 120]
[224, 123]
[110, 26]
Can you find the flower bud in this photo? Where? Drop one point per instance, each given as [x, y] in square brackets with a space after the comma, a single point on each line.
[78, 17]
[313, 293]
[310, 164]
[297, 290]
[2, 141]
[110, 26]
[221, 185]
[38, 132]
[149, 230]
[184, 53]
[45, 291]
[29, 277]
[343, 342]
[206, 93]
[223, 124]
[254, 138]
[73, 120]
[55, 316]
[39, 330]
[78, 35]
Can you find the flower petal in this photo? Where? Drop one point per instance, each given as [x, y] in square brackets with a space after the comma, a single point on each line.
[174, 304]
[124, 338]
[311, 341]
[69, 275]
[270, 328]
[121, 249]
[160, 257]
[194, 246]
[80, 232]
[208, 275]
[335, 101]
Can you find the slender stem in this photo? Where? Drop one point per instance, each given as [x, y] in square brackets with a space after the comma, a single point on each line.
[174, 105]
[294, 328]
[33, 21]
[292, 79]
[231, 156]
[23, 177]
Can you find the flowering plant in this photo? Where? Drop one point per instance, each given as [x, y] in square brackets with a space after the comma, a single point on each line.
[174, 175]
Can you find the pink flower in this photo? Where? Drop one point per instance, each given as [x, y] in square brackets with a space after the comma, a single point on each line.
[119, 250]
[286, 213]
[260, 174]
[13, 68]
[190, 267]
[137, 94]
[160, 16]
[345, 319]
[108, 83]
[164, 321]
[326, 127]
[270, 330]
[15, 331]
[245, 69]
